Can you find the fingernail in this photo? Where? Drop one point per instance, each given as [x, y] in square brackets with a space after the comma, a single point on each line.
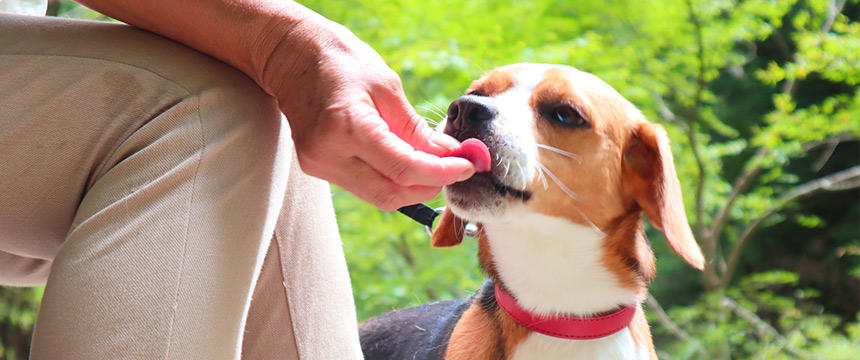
[445, 141]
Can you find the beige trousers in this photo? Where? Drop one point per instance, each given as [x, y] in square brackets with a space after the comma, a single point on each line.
[156, 191]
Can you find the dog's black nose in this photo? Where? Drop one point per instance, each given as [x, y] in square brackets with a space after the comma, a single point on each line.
[470, 111]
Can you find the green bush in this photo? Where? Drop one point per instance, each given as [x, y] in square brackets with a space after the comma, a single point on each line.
[765, 316]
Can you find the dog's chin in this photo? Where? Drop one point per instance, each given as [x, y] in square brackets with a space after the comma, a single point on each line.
[482, 197]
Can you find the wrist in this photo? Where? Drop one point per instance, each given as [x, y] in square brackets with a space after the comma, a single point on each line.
[285, 45]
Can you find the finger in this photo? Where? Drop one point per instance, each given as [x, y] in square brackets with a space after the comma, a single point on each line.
[398, 113]
[401, 163]
[360, 179]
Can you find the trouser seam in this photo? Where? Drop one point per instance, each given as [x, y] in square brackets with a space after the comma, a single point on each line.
[175, 304]
[104, 165]
[286, 293]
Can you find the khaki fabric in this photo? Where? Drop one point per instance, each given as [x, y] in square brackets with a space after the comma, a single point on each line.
[157, 193]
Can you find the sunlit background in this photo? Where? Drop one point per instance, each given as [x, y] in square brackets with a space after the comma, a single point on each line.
[760, 99]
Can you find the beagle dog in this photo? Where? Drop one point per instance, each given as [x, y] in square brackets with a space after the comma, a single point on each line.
[559, 216]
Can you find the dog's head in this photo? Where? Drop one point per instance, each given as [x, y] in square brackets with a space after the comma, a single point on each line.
[563, 143]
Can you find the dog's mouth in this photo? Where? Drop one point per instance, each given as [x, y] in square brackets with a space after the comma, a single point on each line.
[483, 194]
[500, 187]
[489, 189]
[493, 189]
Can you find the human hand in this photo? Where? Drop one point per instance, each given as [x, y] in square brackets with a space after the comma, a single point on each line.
[350, 119]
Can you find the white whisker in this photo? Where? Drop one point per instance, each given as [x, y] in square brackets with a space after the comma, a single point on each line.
[523, 179]
[560, 152]
[440, 115]
[431, 121]
[542, 178]
[558, 182]
[441, 110]
[570, 193]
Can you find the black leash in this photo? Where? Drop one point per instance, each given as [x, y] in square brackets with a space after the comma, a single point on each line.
[425, 215]
[421, 213]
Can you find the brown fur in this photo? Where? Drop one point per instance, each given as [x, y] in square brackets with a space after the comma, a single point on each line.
[627, 254]
[620, 152]
[602, 167]
[485, 257]
[493, 83]
[652, 182]
[480, 335]
[613, 212]
[449, 231]
[474, 337]
[512, 333]
[642, 333]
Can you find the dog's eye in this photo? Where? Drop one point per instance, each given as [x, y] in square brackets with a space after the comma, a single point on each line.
[567, 116]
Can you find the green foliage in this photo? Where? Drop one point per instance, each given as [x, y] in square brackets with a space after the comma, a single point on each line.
[391, 261]
[70, 9]
[762, 90]
[696, 66]
[18, 307]
[766, 316]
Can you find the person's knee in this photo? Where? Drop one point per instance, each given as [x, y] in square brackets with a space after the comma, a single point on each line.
[241, 124]
[23, 271]
[233, 111]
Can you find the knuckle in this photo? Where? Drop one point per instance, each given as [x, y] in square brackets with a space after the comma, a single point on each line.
[345, 120]
[413, 130]
[334, 119]
[399, 172]
[390, 80]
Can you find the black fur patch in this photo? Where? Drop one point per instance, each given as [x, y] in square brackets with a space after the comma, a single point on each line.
[486, 298]
[416, 333]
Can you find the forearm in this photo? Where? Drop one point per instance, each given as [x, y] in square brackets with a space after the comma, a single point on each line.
[242, 33]
[349, 118]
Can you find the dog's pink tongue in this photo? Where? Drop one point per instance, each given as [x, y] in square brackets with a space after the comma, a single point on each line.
[476, 152]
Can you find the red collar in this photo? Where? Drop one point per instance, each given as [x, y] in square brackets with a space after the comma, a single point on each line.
[566, 327]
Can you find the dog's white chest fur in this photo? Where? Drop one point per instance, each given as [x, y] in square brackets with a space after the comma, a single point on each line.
[552, 265]
[617, 346]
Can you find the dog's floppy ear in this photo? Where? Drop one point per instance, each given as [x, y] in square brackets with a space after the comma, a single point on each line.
[650, 179]
[449, 231]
